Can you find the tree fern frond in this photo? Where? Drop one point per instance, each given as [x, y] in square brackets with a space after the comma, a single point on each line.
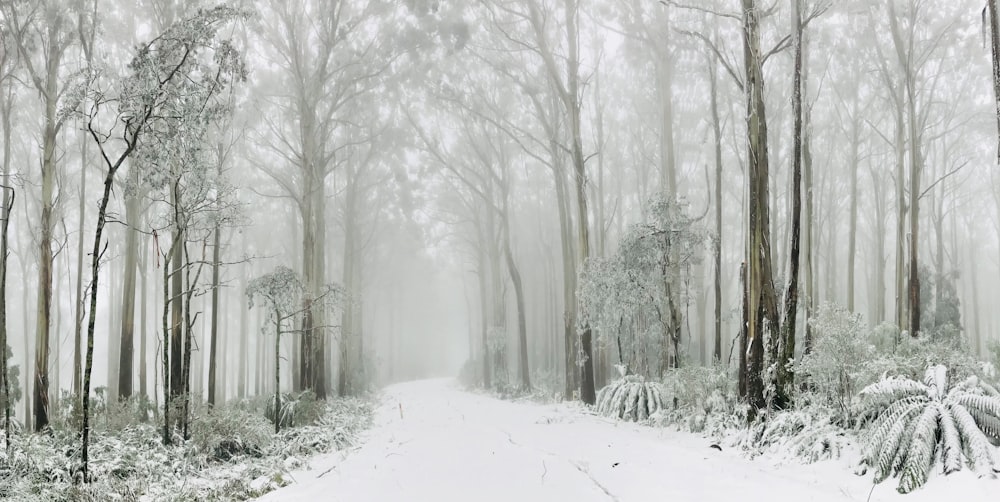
[989, 390]
[979, 450]
[936, 377]
[657, 399]
[632, 401]
[887, 449]
[642, 411]
[921, 452]
[889, 390]
[879, 429]
[986, 411]
[951, 451]
[913, 418]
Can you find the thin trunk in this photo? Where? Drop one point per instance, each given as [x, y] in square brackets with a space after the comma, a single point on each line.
[176, 300]
[853, 229]
[126, 352]
[78, 327]
[717, 240]
[214, 334]
[515, 278]
[483, 302]
[785, 375]
[995, 52]
[241, 379]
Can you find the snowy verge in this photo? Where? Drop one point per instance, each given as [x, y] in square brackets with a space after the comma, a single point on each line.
[434, 442]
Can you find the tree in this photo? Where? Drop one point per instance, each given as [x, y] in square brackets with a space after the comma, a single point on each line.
[635, 293]
[46, 25]
[180, 71]
[763, 310]
[280, 293]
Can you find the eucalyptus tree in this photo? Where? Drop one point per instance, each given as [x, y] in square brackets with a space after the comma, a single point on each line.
[43, 32]
[636, 294]
[330, 57]
[280, 293]
[169, 94]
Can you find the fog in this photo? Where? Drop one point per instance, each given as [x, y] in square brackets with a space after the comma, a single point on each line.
[471, 189]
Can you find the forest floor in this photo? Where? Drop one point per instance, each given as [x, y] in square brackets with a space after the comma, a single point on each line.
[432, 441]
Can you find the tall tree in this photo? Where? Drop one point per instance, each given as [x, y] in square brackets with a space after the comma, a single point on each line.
[44, 31]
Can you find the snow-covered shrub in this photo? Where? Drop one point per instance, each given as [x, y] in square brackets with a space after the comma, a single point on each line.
[296, 409]
[913, 355]
[916, 422]
[227, 432]
[810, 434]
[703, 388]
[840, 357]
[340, 423]
[630, 398]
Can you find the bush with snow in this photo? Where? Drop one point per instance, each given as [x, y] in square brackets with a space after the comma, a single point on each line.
[809, 434]
[230, 447]
[630, 398]
[839, 360]
[917, 422]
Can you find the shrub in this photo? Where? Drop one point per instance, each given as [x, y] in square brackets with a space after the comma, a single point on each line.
[629, 398]
[227, 432]
[296, 409]
[810, 434]
[839, 360]
[914, 421]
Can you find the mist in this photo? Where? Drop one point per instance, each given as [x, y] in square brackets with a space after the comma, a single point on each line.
[625, 206]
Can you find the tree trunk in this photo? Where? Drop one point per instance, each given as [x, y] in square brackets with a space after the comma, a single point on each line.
[483, 302]
[761, 286]
[214, 333]
[176, 301]
[515, 278]
[995, 52]
[717, 238]
[572, 103]
[45, 256]
[78, 327]
[241, 379]
[143, 303]
[785, 375]
[126, 352]
[853, 230]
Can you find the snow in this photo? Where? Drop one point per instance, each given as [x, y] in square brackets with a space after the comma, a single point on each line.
[432, 441]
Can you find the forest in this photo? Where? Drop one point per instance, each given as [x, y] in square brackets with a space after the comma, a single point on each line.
[255, 248]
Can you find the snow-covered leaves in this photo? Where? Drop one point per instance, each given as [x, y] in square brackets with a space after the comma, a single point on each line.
[636, 296]
[917, 422]
[836, 365]
[630, 398]
[230, 446]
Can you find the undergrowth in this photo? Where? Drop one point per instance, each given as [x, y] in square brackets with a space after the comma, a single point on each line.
[232, 454]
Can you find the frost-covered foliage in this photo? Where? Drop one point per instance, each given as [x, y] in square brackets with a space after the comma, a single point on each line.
[916, 423]
[810, 434]
[700, 399]
[630, 398]
[232, 455]
[636, 297]
[300, 408]
[839, 361]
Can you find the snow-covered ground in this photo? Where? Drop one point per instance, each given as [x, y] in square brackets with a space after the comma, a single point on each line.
[432, 441]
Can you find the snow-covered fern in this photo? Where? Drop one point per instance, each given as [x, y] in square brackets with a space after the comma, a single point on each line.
[630, 398]
[916, 423]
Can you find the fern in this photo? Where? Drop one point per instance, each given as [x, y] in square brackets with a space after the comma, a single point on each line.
[916, 420]
[630, 398]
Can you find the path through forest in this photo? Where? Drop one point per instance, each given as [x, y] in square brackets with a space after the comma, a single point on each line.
[432, 441]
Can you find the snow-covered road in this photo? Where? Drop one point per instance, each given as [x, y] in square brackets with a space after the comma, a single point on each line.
[434, 442]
